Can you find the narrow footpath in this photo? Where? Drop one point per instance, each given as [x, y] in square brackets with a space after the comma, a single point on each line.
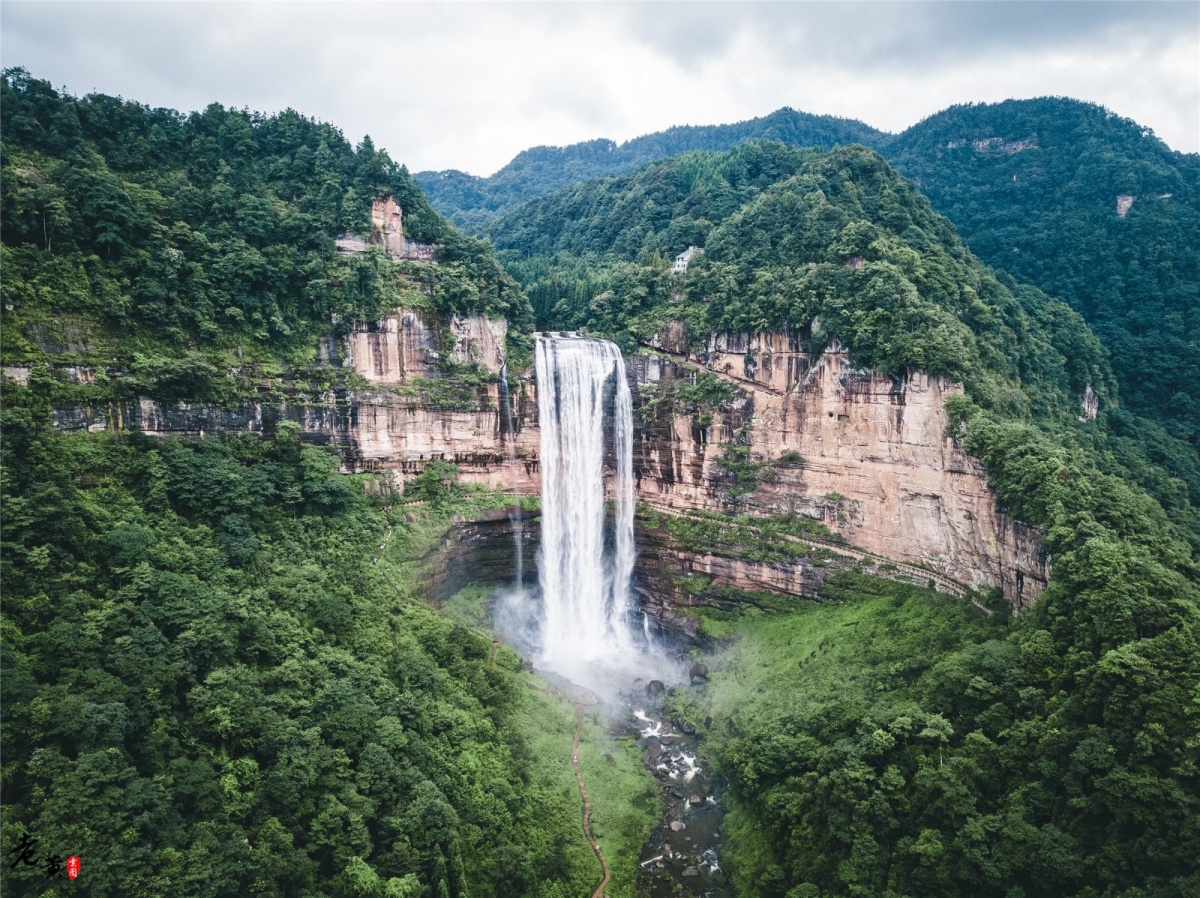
[578, 702]
[587, 805]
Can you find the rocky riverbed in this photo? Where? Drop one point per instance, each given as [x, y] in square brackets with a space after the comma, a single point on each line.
[683, 855]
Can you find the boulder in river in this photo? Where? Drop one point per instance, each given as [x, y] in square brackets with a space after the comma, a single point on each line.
[698, 673]
[655, 688]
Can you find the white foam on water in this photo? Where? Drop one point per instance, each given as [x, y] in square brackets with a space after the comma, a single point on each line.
[585, 563]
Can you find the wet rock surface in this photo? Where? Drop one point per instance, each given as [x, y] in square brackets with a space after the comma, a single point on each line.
[683, 853]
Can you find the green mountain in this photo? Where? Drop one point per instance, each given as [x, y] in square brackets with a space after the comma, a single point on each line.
[1093, 209]
[219, 677]
[1033, 186]
[1017, 763]
[473, 202]
[133, 235]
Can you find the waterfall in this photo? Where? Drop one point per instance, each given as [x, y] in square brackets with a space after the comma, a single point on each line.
[515, 512]
[585, 590]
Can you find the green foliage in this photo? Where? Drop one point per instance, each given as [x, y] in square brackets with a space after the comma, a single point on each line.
[130, 231]
[1032, 186]
[765, 538]
[704, 396]
[816, 244]
[475, 203]
[210, 689]
[894, 742]
[436, 484]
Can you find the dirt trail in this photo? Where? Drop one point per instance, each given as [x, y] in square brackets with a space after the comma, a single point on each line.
[587, 804]
[579, 700]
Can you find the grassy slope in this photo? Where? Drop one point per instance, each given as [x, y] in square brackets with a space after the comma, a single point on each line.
[869, 638]
[625, 804]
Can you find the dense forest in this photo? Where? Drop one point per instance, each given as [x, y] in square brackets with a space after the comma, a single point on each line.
[146, 240]
[1054, 756]
[1031, 185]
[475, 202]
[1034, 186]
[216, 680]
[208, 687]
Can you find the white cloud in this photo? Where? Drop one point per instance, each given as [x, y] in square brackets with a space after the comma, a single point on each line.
[468, 85]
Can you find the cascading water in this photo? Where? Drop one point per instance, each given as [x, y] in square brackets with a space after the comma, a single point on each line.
[585, 591]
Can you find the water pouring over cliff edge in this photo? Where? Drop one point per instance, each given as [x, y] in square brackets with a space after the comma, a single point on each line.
[585, 564]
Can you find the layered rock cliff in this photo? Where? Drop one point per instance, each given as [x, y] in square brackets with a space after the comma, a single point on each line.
[867, 455]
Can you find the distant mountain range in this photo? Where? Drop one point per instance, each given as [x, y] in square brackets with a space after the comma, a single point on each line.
[1066, 195]
[473, 202]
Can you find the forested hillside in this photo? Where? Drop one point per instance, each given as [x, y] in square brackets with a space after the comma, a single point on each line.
[177, 247]
[1055, 757]
[208, 686]
[1094, 210]
[1032, 186]
[474, 202]
[209, 689]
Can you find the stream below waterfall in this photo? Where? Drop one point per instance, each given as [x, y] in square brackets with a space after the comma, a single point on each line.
[683, 854]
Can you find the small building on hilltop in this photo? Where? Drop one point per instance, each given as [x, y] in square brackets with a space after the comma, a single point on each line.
[679, 266]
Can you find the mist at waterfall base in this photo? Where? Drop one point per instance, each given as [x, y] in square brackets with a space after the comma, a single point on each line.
[581, 623]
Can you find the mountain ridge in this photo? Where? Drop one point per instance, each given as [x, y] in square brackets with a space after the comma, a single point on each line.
[1068, 196]
[603, 157]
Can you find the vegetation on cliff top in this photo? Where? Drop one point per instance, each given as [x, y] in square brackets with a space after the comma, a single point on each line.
[133, 234]
[824, 243]
[1031, 185]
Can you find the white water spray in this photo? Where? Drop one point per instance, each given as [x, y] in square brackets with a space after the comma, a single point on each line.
[585, 590]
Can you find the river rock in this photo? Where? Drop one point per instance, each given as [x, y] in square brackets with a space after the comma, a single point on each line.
[655, 688]
[684, 726]
[696, 799]
[698, 673]
[689, 872]
[678, 825]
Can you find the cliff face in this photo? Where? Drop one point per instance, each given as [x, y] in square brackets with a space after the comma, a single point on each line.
[404, 345]
[404, 416]
[387, 230]
[866, 454]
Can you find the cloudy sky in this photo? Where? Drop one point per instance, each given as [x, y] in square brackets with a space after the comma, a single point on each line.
[468, 85]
